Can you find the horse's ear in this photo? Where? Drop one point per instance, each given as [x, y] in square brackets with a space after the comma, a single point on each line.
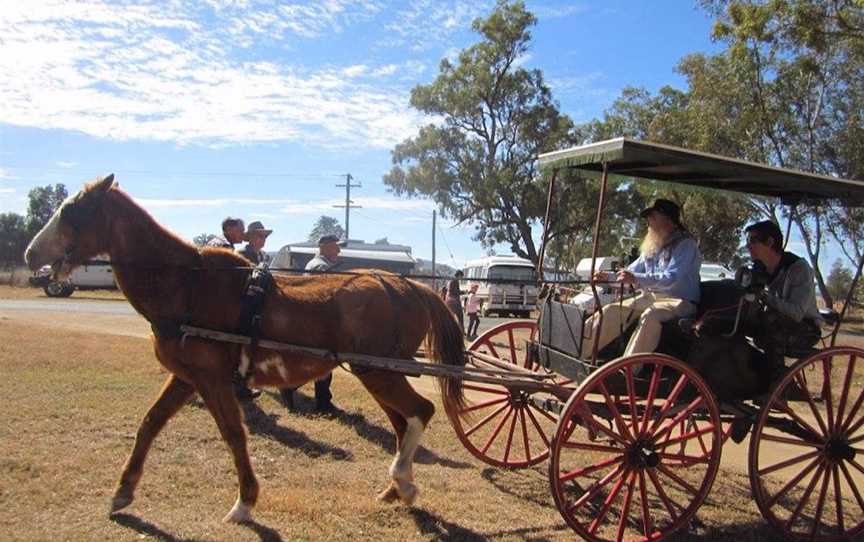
[105, 184]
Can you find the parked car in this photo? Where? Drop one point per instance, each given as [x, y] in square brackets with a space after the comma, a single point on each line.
[608, 293]
[95, 274]
[714, 271]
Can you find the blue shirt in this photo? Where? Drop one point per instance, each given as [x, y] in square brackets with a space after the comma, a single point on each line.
[673, 271]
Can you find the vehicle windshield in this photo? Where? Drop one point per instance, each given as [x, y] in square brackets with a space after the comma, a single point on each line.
[512, 272]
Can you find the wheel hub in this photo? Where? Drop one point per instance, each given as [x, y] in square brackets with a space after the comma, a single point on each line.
[839, 449]
[641, 455]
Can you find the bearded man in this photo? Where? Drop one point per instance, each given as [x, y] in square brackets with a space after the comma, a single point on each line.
[666, 272]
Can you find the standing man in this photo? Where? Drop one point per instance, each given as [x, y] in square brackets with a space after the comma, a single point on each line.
[232, 234]
[454, 298]
[667, 272]
[327, 259]
[256, 237]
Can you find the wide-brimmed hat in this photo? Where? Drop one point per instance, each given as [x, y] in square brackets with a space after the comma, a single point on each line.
[257, 227]
[664, 207]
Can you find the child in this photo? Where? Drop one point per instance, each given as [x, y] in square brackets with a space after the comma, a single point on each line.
[473, 303]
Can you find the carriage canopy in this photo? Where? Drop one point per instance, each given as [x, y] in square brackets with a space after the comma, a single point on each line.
[629, 158]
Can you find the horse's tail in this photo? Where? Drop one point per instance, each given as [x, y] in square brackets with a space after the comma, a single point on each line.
[445, 345]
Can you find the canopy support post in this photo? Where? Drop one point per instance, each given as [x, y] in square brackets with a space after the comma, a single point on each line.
[546, 225]
[598, 308]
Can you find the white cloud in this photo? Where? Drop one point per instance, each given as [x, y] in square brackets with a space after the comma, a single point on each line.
[172, 72]
[544, 11]
[7, 190]
[367, 204]
[4, 174]
[424, 24]
[67, 165]
[153, 203]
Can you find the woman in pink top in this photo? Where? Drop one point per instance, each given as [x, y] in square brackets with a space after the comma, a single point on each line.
[472, 306]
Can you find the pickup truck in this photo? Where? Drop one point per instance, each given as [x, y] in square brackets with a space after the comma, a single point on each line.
[94, 274]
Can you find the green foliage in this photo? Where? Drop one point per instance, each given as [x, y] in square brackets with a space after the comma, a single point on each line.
[13, 239]
[478, 163]
[44, 201]
[326, 225]
[795, 70]
[839, 280]
[16, 231]
[202, 239]
[676, 118]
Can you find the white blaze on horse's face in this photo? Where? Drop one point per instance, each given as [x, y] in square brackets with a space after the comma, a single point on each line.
[50, 245]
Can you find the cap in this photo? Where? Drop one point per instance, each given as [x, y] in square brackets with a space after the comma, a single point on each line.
[664, 207]
[257, 227]
[326, 239]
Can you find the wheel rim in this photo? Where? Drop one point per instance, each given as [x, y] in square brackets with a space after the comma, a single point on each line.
[625, 478]
[55, 288]
[808, 479]
[500, 425]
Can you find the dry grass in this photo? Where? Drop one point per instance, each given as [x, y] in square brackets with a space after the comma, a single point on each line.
[73, 402]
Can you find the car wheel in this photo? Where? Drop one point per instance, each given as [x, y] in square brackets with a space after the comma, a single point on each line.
[58, 289]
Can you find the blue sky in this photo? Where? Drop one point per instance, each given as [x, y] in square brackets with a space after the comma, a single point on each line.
[209, 108]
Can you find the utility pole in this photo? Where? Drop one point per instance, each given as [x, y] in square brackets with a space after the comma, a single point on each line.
[434, 274]
[348, 203]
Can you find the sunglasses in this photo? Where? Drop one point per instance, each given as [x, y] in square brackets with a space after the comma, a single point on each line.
[752, 240]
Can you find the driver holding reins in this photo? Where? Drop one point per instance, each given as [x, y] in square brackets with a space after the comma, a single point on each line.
[667, 272]
[791, 317]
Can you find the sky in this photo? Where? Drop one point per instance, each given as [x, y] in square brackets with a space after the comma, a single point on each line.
[209, 108]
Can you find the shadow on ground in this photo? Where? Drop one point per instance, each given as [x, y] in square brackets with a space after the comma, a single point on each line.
[266, 425]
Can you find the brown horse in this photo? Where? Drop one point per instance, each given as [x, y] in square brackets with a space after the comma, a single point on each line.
[170, 281]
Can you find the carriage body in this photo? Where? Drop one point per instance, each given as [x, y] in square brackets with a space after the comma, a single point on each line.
[634, 443]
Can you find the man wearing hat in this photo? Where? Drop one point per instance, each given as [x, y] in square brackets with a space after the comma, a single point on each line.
[327, 259]
[256, 236]
[667, 272]
[328, 254]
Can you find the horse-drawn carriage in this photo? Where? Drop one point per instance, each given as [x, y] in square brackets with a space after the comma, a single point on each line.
[633, 443]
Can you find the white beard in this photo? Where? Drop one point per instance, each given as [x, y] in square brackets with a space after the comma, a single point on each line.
[652, 243]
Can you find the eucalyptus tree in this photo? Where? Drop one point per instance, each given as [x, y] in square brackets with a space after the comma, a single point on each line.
[493, 116]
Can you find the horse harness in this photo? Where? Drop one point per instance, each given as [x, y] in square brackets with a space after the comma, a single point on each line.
[258, 284]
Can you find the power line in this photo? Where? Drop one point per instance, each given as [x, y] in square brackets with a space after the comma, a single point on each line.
[446, 244]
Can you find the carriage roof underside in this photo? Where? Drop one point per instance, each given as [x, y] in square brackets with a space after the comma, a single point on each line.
[629, 158]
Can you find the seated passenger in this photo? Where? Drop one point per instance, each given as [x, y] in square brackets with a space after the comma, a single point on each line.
[667, 272]
[791, 318]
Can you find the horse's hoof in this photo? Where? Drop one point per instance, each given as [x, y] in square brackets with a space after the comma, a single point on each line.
[408, 493]
[119, 502]
[389, 495]
[241, 513]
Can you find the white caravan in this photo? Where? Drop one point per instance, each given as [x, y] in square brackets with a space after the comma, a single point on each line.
[516, 294]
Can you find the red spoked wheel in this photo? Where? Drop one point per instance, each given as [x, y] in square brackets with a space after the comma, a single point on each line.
[616, 469]
[807, 449]
[499, 424]
[697, 446]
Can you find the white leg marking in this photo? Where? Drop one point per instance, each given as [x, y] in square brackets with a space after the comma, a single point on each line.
[241, 513]
[244, 362]
[401, 469]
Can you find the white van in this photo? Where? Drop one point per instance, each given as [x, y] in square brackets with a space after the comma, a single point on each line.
[93, 274]
[518, 297]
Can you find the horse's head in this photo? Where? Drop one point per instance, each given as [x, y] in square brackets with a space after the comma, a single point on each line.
[75, 233]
